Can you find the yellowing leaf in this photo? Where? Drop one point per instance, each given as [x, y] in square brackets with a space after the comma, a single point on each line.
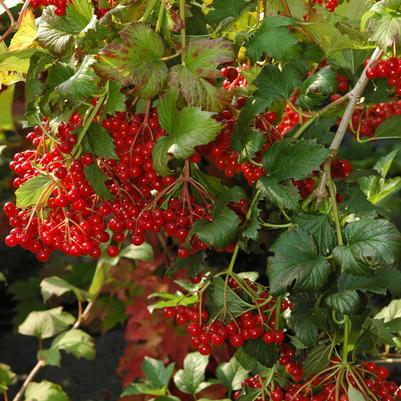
[6, 101]
[10, 77]
[25, 36]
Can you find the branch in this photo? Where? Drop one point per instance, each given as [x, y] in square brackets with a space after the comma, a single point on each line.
[14, 24]
[41, 363]
[354, 95]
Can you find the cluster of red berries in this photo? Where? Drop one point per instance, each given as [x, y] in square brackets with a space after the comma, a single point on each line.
[366, 121]
[70, 217]
[225, 158]
[248, 326]
[324, 387]
[289, 120]
[274, 392]
[67, 216]
[390, 70]
[61, 5]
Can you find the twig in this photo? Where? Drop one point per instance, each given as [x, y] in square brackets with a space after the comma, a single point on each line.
[354, 95]
[287, 11]
[14, 24]
[41, 363]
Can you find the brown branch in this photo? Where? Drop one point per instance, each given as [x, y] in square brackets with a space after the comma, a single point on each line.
[354, 96]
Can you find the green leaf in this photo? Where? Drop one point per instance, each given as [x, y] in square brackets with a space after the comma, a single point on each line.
[2, 278]
[82, 84]
[222, 10]
[296, 261]
[201, 60]
[251, 143]
[195, 264]
[317, 88]
[371, 245]
[143, 389]
[383, 21]
[100, 142]
[115, 101]
[135, 60]
[265, 354]
[251, 231]
[273, 84]
[160, 156]
[187, 128]
[142, 252]
[29, 193]
[390, 312]
[219, 296]
[231, 374]
[245, 360]
[46, 324]
[45, 391]
[171, 300]
[374, 335]
[383, 165]
[354, 394]
[379, 283]
[296, 160]
[317, 359]
[190, 379]
[251, 395]
[318, 225]
[304, 318]
[245, 140]
[349, 59]
[328, 37]
[377, 189]
[273, 38]
[219, 232]
[155, 372]
[97, 179]
[7, 377]
[224, 226]
[57, 286]
[73, 341]
[57, 33]
[389, 128]
[283, 195]
[51, 357]
[345, 302]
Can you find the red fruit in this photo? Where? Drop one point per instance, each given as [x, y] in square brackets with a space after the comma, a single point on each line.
[87, 159]
[277, 395]
[217, 339]
[268, 337]
[382, 372]
[204, 349]
[113, 251]
[279, 337]
[237, 340]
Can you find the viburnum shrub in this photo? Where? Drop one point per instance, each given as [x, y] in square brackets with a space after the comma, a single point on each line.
[238, 134]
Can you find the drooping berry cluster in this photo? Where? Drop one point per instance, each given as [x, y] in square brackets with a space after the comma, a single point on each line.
[225, 158]
[366, 121]
[369, 379]
[271, 392]
[67, 215]
[248, 326]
